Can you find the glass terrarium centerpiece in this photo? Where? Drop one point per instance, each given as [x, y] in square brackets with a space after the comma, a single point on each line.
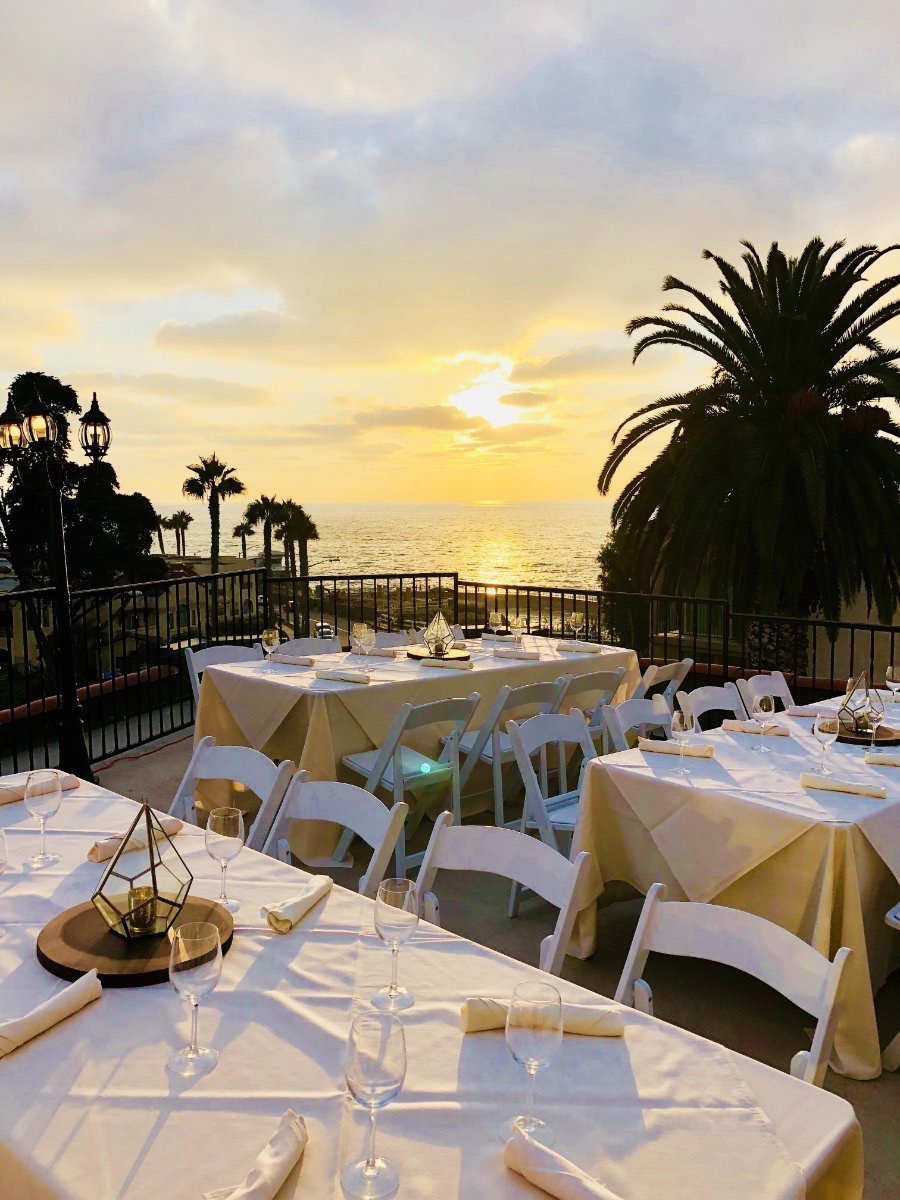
[146, 883]
[438, 636]
[858, 705]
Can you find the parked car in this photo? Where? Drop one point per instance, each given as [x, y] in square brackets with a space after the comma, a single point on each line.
[324, 630]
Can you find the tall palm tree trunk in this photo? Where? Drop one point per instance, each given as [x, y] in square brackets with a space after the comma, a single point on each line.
[304, 556]
[214, 523]
[267, 546]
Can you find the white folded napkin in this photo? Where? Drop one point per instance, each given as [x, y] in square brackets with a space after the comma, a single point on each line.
[799, 710]
[293, 660]
[827, 783]
[515, 652]
[883, 759]
[273, 1165]
[479, 1013]
[383, 651]
[731, 725]
[14, 789]
[285, 914]
[449, 664]
[18, 1030]
[579, 648]
[691, 749]
[495, 637]
[347, 674]
[105, 848]
[548, 1170]
[459, 644]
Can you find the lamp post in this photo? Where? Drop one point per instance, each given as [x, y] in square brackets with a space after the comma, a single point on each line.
[37, 428]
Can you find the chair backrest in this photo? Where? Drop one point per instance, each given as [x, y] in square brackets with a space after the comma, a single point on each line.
[344, 804]
[711, 699]
[455, 712]
[239, 764]
[514, 856]
[636, 715]
[750, 944]
[198, 660]
[773, 684]
[534, 736]
[311, 645]
[600, 687]
[384, 638]
[544, 697]
[663, 681]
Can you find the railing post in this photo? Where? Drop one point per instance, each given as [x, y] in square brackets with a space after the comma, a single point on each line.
[265, 598]
[455, 597]
[726, 638]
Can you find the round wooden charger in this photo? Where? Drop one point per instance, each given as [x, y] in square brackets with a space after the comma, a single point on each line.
[78, 940]
[421, 652]
[885, 736]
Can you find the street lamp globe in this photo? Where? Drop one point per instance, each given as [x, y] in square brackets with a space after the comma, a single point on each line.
[11, 432]
[95, 434]
[38, 424]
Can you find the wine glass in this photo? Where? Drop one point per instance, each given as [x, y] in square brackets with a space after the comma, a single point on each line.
[224, 841]
[396, 919]
[875, 717]
[374, 1068]
[682, 728]
[43, 796]
[271, 640]
[195, 965]
[892, 680]
[365, 640]
[495, 622]
[4, 859]
[575, 621]
[825, 731]
[533, 1035]
[517, 626]
[764, 715]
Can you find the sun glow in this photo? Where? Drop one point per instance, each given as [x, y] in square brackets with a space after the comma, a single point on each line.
[482, 398]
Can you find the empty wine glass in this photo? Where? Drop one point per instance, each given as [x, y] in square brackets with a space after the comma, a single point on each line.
[765, 716]
[4, 859]
[517, 626]
[195, 966]
[682, 728]
[396, 920]
[374, 1068]
[271, 640]
[825, 731]
[364, 636]
[892, 680]
[875, 717]
[495, 622]
[575, 621]
[224, 841]
[533, 1035]
[43, 796]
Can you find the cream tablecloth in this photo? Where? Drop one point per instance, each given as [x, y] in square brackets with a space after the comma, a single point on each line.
[95, 1113]
[741, 831]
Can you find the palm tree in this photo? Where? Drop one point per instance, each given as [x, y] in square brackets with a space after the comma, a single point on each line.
[288, 512]
[778, 487]
[213, 481]
[264, 511]
[243, 531]
[165, 523]
[305, 531]
[180, 521]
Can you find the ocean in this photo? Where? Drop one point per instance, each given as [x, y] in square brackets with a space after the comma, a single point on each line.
[537, 542]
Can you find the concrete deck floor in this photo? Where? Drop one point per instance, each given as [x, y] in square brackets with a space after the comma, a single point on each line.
[710, 1000]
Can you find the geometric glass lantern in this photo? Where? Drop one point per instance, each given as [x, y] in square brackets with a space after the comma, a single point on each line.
[858, 702]
[438, 636]
[146, 883]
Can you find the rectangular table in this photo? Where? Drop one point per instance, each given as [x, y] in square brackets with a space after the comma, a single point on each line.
[739, 830]
[92, 1112]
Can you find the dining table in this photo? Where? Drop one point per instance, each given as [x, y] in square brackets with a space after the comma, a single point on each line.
[741, 830]
[91, 1111]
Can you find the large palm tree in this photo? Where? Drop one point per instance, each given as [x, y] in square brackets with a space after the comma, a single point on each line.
[305, 531]
[286, 532]
[213, 481]
[264, 511]
[243, 530]
[180, 521]
[779, 485]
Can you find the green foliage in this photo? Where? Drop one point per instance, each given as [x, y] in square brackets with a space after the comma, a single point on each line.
[779, 485]
[213, 481]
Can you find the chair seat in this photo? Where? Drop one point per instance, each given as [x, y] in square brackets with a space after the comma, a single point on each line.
[487, 753]
[564, 816]
[416, 768]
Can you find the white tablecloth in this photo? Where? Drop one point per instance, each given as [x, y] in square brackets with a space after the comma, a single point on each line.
[92, 1112]
[741, 831]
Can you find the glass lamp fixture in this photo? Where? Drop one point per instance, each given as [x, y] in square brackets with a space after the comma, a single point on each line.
[12, 434]
[38, 423]
[94, 434]
[146, 883]
[438, 636]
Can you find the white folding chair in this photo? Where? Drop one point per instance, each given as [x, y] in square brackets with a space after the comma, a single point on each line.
[238, 764]
[772, 684]
[400, 769]
[514, 856]
[750, 944]
[198, 660]
[669, 677]
[601, 688]
[490, 743]
[890, 1058]
[357, 810]
[712, 699]
[384, 638]
[311, 645]
[635, 716]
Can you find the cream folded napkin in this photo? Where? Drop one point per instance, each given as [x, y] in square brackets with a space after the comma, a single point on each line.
[293, 660]
[495, 637]
[479, 1013]
[383, 651]
[11, 791]
[882, 760]
[516, 652]
[105, 848]
[19, 1030]
[731, 725]
[273, 1165]
[347, 674]
[691, 749]
[449, 664]
[828, 783]
[799, 710]
[285, 914]
[459, 644]
[548, 1170]
[579, 647]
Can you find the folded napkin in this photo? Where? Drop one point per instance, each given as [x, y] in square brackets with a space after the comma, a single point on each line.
[19, 1030]
[478, 1014]
[883, 760]
[383, 651]
[449, 664]
[293, 660]
[691, 749]
[579, 647]
[105, 848]
[798, 710]
[495, 637]
[730, 725]
[459, 644]
[347, 674]
[285, 914]
[274, 1164]
[548, 1170]
[515, 652]
[14, 789]
[828, 783]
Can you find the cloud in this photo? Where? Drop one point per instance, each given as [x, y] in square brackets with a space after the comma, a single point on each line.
[441, 416]
[511, 435]
[530, 399]
[256, 332]
[578, 363]
[165, 385]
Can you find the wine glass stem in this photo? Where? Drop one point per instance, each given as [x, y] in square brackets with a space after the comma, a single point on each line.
[395, 955]
[43, 827]
[824, 748]
[371, 1167]
[194, 1009]
[223, 897]
[529, 1099]
[681, 755]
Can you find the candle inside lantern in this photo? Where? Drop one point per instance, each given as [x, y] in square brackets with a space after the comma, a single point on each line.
[142, 902]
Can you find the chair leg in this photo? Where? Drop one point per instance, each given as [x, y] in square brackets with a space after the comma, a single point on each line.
[455, 796]
[499, 812]
[401, 865]
[515, 894]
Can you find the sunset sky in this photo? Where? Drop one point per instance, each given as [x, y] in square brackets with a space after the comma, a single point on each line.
[386, 251]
